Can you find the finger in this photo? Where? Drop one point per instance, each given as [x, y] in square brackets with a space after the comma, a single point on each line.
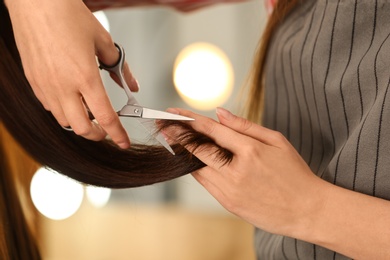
[100, 106]
[59, 115]
[78, 119]
[249, 128]
[211, 181]
[228, 142]
[41, 97]
[131, 82]
[203, 148]
[106, 50]
[55, 108]
[222, 135]
[108, 53]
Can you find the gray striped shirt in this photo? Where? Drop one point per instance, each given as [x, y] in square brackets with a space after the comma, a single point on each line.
[327, 81]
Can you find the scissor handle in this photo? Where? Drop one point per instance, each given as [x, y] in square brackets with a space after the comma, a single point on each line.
[117, 69]
[119, 63]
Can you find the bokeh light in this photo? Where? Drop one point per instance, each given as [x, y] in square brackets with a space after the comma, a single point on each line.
[54, 195]
[203, 76]
[98, 196]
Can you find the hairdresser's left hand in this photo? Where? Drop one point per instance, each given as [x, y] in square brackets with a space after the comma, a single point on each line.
[267, 183]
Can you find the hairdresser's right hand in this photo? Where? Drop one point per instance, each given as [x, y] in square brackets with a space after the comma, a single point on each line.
[58, 42]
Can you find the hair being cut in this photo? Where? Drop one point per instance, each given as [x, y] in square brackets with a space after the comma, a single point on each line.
[96, 163]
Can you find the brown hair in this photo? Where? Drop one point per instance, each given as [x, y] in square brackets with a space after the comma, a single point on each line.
[17, 235]
[95, 163]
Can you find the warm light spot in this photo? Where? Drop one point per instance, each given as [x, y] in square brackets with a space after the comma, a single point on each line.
[203, 76]
[98, 196]
[54, 195]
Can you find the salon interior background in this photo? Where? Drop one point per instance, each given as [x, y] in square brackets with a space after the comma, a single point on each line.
[153, 37]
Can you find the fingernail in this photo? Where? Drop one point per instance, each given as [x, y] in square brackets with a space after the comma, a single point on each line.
[134, 82]
[173, 111]
[224, 113]
[124, 145]
[163, 133]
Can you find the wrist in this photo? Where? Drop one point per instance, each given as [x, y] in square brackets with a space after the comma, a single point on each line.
[314, 209]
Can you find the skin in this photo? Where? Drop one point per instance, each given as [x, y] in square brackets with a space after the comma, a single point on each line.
[283, 198]
[58, 44]
[270, 186]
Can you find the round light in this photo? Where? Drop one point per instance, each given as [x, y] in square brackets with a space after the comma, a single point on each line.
[54, 195]
[98, 196]
[102, 18]
[203, 76]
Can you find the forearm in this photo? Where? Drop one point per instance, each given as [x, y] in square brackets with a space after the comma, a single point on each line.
[352, 224]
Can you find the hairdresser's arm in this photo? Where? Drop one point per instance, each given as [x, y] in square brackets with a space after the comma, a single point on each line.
[269, 185]
[58, 42]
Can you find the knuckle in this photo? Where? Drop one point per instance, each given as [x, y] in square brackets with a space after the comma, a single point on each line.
[249, 150]
[208, 127]
[232, 204]
[106, 39]
[82, 130]
[39, 95]
[87, 79]
[279, 137]
[63, 122]
[57, 115]
[29, 75]
[45, 106]
[86, 84]
[245, 125]
[106, 120]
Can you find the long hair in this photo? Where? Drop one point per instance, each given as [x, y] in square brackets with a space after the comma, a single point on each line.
[17, 233]
[96, 163]
[253, 106]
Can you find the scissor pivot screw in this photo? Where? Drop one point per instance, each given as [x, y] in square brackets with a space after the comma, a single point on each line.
[136, 110]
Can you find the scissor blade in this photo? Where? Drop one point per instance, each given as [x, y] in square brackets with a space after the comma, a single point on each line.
[149, 125]
[156, 114]
[160, 138]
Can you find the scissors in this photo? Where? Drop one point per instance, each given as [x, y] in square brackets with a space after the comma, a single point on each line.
[132, 107]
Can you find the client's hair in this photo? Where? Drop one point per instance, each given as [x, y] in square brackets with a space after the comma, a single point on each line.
[97, 163]
[17, 229]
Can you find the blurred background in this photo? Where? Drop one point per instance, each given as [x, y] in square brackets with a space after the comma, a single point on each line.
[196, 60]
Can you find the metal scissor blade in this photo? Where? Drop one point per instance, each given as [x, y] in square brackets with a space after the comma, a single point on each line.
[156, 114]
[149, 125]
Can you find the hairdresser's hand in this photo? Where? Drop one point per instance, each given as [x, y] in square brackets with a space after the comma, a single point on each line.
[58, 42]
[267, 183]
[180, 5]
